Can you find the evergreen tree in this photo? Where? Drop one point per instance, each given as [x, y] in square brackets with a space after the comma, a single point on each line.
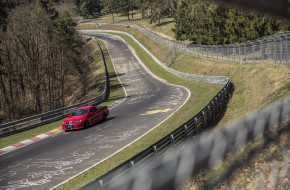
[90, 8]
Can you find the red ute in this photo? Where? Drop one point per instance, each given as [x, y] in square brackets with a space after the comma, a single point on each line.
[85, 116]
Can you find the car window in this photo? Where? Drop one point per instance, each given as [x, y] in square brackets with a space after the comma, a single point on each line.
[92, 110]
[80, 112]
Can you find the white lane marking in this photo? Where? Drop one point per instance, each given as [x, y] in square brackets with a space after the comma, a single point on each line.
[164, 81]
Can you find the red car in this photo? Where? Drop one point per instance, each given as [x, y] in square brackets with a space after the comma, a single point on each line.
[85, 116]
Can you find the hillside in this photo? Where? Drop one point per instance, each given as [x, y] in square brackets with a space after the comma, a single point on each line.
[256, 85]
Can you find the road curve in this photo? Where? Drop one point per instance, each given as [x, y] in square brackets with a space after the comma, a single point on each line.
[149, 102]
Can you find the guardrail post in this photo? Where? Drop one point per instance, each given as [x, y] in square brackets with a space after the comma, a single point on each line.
[100, 184]
[131, 165]
[209, 118]
[185, 129]
[204, 119]
[195, 125]
[171, 140]
[154, 148]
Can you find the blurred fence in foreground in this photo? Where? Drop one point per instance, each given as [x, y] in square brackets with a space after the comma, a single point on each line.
[204, 151]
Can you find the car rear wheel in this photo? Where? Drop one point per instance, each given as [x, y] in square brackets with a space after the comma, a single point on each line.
[86, 124]
[104, 117]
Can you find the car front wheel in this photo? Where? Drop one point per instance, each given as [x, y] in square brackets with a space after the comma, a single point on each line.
[86, 124]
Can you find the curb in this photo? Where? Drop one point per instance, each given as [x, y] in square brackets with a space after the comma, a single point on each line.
[29, 141]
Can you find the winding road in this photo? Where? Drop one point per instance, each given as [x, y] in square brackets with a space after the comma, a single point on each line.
[149, 101]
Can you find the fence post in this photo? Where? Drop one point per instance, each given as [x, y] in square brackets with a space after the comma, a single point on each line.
[253, 47]
[287, 56]
[245, 52]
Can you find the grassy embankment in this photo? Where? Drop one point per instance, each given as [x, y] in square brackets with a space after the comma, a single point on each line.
[96, 83]
[256, 85]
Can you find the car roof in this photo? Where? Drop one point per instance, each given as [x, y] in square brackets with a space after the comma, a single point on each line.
[84, 107]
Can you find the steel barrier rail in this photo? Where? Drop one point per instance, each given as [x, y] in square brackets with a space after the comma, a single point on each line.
[54, 115]
[207, 149]
[200, 122]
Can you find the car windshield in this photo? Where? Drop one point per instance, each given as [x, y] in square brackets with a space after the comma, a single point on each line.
[80, 112]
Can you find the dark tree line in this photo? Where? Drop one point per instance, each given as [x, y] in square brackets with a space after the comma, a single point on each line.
[39, 51]
[204, 22]
[156, 10]
[200, 21]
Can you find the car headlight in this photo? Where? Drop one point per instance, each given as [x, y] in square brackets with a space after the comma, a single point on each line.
[79, 121]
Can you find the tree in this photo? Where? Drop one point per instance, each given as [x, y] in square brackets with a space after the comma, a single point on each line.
[143, 6]
[38, 53]
[159, 10]
[208, 23]
[91, 8]
[110, 7]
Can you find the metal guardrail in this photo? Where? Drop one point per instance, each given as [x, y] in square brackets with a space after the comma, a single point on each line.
[54, 115]
[209, 116]
[121, 177]
[207, 149]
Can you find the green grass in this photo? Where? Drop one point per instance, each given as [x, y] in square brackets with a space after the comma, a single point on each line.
[256, 85]
[115, 95]
[202, 93]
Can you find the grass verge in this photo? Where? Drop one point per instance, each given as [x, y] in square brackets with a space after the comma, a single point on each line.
[116, 94]
[202, 93]
[255, 84]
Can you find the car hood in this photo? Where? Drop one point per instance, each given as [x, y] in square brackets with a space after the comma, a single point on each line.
[73, 118]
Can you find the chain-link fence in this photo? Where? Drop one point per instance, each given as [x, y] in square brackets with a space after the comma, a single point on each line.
[271, 49]
[274, 49]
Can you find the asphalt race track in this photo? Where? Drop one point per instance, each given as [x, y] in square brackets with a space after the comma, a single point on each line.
[47, 163]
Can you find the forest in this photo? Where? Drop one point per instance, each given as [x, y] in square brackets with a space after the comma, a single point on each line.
[40, 50]
[200, 21]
